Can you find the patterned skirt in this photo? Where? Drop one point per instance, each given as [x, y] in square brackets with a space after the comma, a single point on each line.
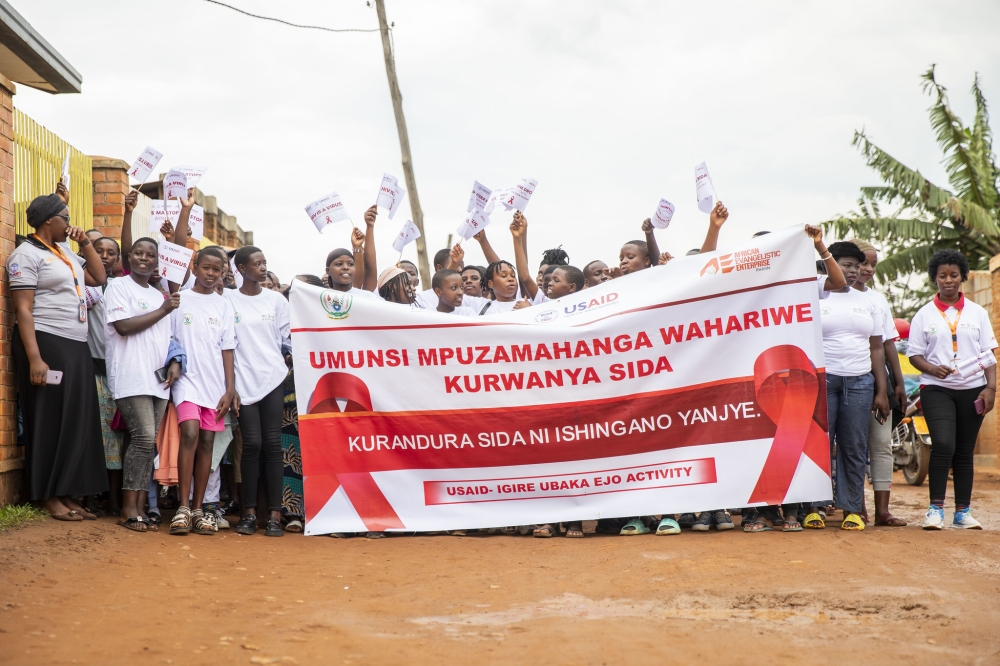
[112, 438]
[292, 504]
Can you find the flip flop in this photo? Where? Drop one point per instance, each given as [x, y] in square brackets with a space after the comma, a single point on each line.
[69, 516]
[544, 531]
[293, 526]
[889, 520]
[634, 527]
[791, 526]
[135, 523]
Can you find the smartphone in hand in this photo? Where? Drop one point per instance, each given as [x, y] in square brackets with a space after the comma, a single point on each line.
[54, 377]
[980, 406]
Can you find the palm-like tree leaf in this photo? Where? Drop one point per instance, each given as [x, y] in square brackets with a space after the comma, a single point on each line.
[909, 183]
[965, 171]
[982, 142]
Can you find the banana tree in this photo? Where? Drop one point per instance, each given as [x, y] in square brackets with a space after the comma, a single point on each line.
[910, 218]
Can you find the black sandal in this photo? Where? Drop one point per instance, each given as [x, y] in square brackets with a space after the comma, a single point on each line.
[135, 523]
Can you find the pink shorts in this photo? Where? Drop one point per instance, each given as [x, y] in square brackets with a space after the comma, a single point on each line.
[188, 411]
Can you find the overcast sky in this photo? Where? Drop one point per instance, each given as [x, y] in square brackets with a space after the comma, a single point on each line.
[609, 105]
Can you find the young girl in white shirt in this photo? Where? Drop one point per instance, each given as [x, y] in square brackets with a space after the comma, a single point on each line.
[263, 336]
[137, 340]
[203, 325]
[951, 344]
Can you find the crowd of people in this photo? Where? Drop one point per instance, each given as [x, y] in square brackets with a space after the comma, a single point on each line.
[153, 395]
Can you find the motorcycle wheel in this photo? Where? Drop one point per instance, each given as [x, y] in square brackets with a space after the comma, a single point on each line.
[915, 471]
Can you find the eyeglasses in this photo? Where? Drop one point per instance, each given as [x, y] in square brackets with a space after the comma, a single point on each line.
[65, 217]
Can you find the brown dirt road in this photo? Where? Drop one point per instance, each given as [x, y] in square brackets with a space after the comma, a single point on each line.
[94, 593]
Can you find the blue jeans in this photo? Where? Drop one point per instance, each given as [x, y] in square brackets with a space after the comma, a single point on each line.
[848, 405]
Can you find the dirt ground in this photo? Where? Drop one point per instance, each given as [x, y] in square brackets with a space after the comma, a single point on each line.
[93, 593]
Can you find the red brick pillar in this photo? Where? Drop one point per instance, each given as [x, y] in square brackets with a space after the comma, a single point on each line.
[11, 455]
[110, 178]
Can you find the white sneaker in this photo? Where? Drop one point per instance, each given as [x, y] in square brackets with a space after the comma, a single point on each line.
[965, 521]
[934, 520]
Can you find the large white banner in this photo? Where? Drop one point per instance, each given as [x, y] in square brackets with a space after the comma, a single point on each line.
[686, 387]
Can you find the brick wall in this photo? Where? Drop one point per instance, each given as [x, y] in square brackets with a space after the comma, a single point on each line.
[110, 178]
[11, 455]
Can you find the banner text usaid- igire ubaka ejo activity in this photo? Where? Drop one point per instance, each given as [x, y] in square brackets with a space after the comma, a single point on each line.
[686, 387]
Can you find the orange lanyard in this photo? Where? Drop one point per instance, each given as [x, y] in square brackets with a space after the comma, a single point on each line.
[76, 283]
[954, 331]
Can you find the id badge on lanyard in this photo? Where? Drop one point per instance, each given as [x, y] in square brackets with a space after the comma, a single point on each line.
[83, 311]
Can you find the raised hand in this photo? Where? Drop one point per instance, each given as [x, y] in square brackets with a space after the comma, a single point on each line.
[131, 199]
[457, 255]
[719, 215]
[62, 191]
[647, 226]
[167, 230]
[79, 235]
[664, 258]
[370, 215]
[189, 201]
[358, 238]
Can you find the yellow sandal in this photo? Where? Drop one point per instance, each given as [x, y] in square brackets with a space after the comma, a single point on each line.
[853, 522]
[814, 521]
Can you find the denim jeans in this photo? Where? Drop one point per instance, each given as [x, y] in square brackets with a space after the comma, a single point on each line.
[143, 414]
[848, 405]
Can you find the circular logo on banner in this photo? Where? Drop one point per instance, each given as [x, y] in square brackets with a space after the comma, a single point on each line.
[188, 318]
[143, 305]
[238, 317]
[336, 304]
[546, 316]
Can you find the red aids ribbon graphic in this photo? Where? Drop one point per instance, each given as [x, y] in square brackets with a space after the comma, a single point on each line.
[332, 390]
[788, 391]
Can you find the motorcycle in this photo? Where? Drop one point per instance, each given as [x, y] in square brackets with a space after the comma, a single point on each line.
[911, 442]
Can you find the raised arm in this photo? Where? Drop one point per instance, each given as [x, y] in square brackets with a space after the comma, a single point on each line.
[488, 251]
[653, 249]
[183, 227]
[371, 265]
[131, 199]
[834, 276]
[716, 219]
[518, 227]
[357, 246]
[94, 274]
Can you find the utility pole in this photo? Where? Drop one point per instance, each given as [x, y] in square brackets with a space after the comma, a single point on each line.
[404, 145]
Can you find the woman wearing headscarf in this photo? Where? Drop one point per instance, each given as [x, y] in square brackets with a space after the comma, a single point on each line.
[64, 451]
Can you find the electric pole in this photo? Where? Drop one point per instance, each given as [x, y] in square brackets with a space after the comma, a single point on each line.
[404, 145]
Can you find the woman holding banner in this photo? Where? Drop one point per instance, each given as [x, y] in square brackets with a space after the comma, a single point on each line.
[951, 344]
[64, 452]
[852, 347]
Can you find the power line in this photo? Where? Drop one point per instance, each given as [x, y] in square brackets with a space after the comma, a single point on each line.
[294, 25]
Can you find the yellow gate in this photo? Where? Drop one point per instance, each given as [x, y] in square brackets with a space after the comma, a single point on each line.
[38, 163]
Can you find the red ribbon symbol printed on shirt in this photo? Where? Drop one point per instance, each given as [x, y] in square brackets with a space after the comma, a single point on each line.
[343, 392]
[788, 391]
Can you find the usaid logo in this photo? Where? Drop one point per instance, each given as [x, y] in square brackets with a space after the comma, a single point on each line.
[592, 304]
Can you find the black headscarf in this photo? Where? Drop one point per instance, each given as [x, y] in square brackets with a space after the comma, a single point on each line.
[43, 208]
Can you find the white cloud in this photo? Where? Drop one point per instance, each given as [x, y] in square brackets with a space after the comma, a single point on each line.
[608, 105]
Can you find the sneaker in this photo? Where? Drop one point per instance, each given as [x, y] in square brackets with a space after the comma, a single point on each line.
[686, 519]
[181, 524]
[703, 523]
[934, 520]
[247, 525]
[964, 520]
[201, 523]
[667, 526]
[218, 515]
[231, 508]
[722, 520]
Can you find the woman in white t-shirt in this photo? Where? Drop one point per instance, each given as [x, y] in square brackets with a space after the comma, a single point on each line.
[342, 264]
[263, 336]
[852, 346]
[880, 433]
[951, 344]
[137, 341]
[203, 325]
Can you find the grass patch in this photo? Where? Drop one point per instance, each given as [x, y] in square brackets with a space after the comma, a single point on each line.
[17, 516]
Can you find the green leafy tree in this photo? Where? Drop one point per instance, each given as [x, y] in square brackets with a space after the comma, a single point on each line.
[910, 218]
